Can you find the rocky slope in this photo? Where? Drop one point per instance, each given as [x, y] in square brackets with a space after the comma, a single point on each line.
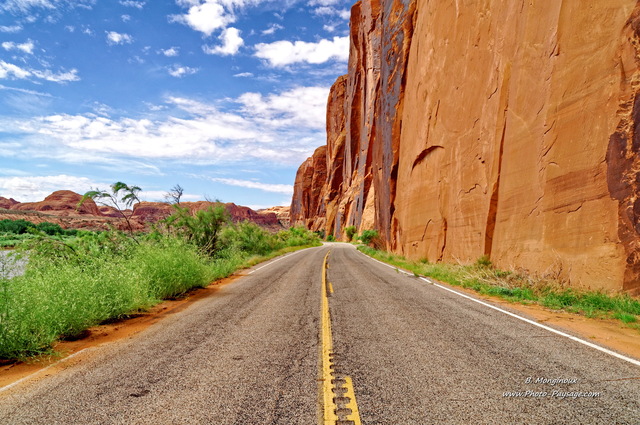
[492, 128]
[61, 208]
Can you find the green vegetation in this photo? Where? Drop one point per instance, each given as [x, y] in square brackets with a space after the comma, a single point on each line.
[121, 194]
[350, 231]
[14, 232]
[368, 236]
[486, 280]
[72, 284]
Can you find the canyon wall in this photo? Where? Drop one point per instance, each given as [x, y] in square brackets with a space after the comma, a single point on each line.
[494, 128]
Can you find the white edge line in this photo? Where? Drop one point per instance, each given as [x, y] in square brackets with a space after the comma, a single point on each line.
[28, 377]
[555, 331]
[278, 259]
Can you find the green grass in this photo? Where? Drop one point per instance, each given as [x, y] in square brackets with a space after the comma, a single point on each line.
[68, 287]
[484, 279]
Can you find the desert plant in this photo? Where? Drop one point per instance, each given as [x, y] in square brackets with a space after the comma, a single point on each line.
[50, 229]
[174, 194]
[350, 231]
[367, 236]
[483, 261]
[121, 193]
[201, 228]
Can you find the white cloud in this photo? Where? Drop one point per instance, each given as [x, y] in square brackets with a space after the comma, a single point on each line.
[132, 3]
[26, 47]
[10, 28]
[118, 38]
[25, 91]
[61, 77]
[281, 128]
[304, 106]
[323, 2]
[36, 188]
[272, 29]
[9, 70]
[244, 74]
[231, 43]
[205, 17]
[25, 6]
[250, 184]
[171, 52]
[283, 53]
[330, 11]
[179, 71]
[125, 18]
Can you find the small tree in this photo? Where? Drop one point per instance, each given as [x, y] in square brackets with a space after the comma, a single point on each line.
[121, 193]
[174, 194]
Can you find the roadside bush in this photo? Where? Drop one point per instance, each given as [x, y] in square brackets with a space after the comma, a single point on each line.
[350, 231]
[69, 287]
[298, 236]
[368, 235]
[249, 238]
[200, 228]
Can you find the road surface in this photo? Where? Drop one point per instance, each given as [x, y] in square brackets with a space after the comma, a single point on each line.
[255, 353]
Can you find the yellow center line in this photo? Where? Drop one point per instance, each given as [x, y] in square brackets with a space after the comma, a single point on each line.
[329, 408]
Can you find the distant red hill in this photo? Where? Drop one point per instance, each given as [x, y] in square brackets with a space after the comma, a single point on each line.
[61, 207]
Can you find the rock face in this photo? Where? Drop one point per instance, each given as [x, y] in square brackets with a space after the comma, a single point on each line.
[282, 213]
[307, 202]
[492, 128]
[7, 203]
[61, 202]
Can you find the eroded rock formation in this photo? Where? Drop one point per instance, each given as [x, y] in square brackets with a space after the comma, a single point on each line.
[492, 128]
[61, 202]
[283, 213]
[61, 207]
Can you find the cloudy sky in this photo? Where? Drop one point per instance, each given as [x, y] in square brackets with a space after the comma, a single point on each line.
[224, 97]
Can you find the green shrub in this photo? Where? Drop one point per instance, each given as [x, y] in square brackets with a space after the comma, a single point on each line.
[368, 235]
[483, 261]
[17, 227]
[201, 227]
[350, 231]
[331, 238]
[50, 228]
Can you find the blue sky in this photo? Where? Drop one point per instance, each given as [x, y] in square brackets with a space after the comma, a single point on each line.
[224, 97]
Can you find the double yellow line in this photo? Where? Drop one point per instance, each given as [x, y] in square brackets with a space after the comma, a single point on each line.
[329, 409]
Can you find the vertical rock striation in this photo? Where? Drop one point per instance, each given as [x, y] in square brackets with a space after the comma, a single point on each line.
[505, 129]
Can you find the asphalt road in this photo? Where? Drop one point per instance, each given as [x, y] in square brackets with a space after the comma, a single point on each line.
[417, 354]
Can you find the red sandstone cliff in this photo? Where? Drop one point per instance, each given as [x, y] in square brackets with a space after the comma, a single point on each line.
[489, 128]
